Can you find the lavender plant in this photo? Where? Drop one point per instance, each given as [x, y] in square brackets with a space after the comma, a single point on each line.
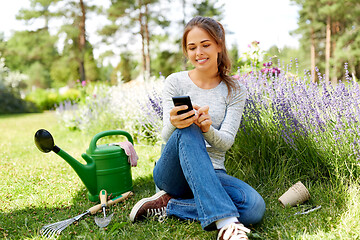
[291, 125]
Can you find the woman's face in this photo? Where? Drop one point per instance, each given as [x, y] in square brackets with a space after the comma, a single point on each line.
[202, 49]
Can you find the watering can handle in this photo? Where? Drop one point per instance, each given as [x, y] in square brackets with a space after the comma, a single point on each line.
[93, 142]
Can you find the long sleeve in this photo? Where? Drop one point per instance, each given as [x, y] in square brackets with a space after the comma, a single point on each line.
[168, 92]
[222, 139]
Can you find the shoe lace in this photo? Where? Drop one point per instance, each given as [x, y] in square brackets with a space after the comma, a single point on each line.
[157, 212]
[233, 231]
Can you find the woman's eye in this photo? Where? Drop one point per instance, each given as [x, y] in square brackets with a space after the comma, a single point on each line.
[192, 48]
[206, 45]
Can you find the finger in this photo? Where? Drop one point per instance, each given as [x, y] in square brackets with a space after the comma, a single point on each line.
[185, 123]
[204, 109]
[175, 110]
[205, 125]
[188, 115]
[183, 120]
[203, 117]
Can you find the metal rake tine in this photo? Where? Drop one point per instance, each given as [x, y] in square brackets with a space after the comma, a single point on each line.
[64, 226]
[44, 231]
[60, 224]
[49, 233]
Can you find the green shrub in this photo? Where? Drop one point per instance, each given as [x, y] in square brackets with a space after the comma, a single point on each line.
[71, 94]
[48, 99]
[10, 103]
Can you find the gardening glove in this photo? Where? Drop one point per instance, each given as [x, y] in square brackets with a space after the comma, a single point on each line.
[129, 151]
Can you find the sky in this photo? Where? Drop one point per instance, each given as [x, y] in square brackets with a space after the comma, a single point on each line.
[268, 22]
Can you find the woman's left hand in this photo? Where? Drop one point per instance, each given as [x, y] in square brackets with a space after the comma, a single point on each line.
[204, 120]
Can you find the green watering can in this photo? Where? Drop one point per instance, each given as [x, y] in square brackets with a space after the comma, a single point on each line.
[107, 165]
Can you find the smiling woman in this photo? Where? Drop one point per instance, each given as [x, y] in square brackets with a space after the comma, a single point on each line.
[191, 171]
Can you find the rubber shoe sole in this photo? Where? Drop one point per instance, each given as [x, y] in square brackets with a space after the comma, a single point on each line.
[140, 203]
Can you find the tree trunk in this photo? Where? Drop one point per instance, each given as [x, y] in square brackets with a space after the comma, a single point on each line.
[184, 23]
[328, 49]
[142, 33]
[82, 42]
[334, 32]
[147, 37]
[313, 56]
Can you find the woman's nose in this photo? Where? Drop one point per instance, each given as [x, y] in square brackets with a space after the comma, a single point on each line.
[199, 51]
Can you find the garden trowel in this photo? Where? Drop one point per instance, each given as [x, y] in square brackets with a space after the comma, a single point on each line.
[105, 220]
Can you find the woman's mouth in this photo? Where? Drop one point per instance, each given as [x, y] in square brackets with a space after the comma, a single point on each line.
[201, 61]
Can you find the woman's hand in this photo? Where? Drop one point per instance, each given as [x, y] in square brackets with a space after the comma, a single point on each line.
[180, 121]
[203, 120]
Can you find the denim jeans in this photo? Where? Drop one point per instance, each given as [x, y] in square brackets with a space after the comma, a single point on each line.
[200, 192]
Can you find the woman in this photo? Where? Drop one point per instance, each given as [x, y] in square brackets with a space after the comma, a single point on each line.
[191, 171]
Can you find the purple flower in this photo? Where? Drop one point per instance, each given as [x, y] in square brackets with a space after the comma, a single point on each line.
[268, 64]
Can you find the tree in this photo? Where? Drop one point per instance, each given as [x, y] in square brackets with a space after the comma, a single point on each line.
[75, 42]
[126, 67]
[310, 26]
[38, 9]
[139, 17]
[32, 53]
[347, 48]
[334, 12]
[206, 8]
[325, 23]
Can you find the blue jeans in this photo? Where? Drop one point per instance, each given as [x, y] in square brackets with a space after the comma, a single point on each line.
[200, 192]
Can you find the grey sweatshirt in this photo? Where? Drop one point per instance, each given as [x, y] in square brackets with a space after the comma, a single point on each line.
[225, 112]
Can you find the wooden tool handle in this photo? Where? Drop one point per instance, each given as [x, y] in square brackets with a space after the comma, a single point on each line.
[103, 197]
[120, 198]
[95, 208]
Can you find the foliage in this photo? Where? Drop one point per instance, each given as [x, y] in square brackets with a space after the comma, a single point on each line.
[141, 19]
[127, 68]
[250, 60]
[328, 27]
[76, 46]
[316, 124]
[11, 103]
[10, 86]
[32, 53]
[123, 106]
[48, 99]
[39, 9]
[167, 62]
[207, 8]
[286, 54]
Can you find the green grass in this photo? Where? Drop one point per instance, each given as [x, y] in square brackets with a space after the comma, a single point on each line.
[37, 189]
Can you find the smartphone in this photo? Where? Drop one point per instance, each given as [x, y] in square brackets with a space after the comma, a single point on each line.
[183, 100]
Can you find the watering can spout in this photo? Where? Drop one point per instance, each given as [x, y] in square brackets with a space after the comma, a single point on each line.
[87, 173]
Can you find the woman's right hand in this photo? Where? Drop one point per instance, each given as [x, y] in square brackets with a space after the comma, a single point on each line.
[180, 121]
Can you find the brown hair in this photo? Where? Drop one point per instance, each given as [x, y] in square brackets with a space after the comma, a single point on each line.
[217, 32]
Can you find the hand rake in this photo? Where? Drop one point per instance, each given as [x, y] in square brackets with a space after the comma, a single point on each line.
[56, 228]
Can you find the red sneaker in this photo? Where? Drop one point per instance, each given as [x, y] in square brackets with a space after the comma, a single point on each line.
[151, 206]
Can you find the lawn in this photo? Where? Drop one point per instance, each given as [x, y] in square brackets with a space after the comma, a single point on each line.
[37, 189]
